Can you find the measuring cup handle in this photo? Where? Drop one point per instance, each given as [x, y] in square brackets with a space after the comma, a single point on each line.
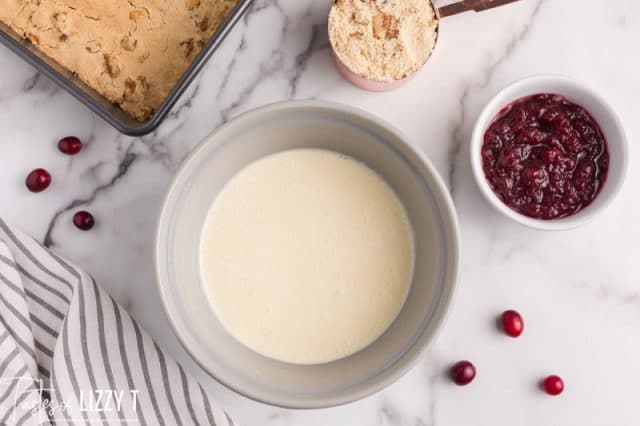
[466, 5]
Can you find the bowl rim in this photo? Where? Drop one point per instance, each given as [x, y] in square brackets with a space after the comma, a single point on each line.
[504, 97]
[442, 309]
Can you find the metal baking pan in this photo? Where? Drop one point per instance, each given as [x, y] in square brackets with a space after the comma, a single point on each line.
[111, 113]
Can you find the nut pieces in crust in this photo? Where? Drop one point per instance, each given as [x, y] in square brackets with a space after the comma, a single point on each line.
[110, 44]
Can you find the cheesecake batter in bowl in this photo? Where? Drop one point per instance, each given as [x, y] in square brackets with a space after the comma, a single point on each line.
[307, 256]
[371, 144]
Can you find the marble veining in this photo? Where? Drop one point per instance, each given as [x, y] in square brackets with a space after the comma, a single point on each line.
[578, 290]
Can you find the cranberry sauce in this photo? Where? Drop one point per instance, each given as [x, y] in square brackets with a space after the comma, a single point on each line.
[545, 156]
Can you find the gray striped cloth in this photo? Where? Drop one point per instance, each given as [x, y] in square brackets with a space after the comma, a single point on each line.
[69, 354]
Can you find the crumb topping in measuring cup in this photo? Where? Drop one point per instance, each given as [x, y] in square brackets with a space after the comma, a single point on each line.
[383, 40]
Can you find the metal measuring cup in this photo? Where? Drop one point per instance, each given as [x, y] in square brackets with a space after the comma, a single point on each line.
[440, 12]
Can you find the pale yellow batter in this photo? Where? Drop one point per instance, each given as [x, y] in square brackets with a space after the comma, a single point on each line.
[307, 256]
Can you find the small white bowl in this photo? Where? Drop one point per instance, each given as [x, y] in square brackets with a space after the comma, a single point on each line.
[601, 111]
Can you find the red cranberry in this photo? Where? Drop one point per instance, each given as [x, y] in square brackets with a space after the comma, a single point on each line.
[83, 220]
[38, 180]
[463, 373]
[512, 323]
[70, 145]
[553, 385]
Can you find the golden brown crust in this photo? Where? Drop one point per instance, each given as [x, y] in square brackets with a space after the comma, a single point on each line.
[131, 51]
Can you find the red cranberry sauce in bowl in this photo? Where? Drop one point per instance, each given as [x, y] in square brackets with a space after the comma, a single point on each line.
[545, 157]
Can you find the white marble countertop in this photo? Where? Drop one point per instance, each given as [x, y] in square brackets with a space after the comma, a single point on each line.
[578, 290]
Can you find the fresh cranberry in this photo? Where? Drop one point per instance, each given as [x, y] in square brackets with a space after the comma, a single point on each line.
[545, 157]
[70, 145]
[38, 180]
[553, 385]
[83, 220]
[512, 323]
[463, 373]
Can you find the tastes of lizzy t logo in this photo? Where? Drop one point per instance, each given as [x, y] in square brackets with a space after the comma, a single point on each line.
[28, 398]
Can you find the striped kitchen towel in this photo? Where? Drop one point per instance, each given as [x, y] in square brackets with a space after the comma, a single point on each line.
[69, 354]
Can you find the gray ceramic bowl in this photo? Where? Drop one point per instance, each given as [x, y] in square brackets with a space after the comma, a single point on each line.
[303, 125]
